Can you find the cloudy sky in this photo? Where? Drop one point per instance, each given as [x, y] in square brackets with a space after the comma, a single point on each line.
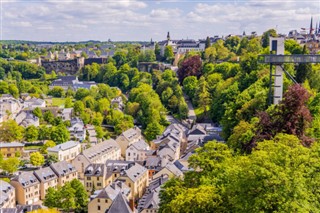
[78, 20]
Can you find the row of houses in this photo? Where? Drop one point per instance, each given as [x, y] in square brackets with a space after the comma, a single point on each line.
[28, 188]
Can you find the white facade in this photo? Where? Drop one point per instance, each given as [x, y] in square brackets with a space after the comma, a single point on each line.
[137, 151]
[66, 151]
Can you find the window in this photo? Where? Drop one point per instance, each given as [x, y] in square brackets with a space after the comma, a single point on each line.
[106, 200]
[88, 178]
[99, 208]
[97, 178]
[128, 153]
[98, 184]
[98, 200]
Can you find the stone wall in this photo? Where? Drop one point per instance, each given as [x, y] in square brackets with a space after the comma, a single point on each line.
[69, 67]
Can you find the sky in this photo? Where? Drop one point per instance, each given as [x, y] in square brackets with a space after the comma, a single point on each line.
[137, 20]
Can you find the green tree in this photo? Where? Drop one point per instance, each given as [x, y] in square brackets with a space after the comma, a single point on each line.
[52, 198]
[303, 70]
[68, 200]
[13, 90]
[78, 107]
[266, 37]
[202, 94]
[10, 165]
[37, 112]
[46, 145]
[60, 134]
[36, 159]
[50, 159]
[57, 92]
[190, 85]
[48, 117]
[153, 129]
[208, 42]
[81, 196]
[11, 131]
[31, 133]
[68, 103]
[168, 54]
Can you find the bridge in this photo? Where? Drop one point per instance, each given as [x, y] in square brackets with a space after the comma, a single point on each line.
[277, 59]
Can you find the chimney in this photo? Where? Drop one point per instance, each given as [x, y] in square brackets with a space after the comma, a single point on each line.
[131, 204]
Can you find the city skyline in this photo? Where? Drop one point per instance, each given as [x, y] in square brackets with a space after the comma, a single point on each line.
[123, 20]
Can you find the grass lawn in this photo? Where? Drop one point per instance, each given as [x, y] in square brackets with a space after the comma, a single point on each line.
[58, 101]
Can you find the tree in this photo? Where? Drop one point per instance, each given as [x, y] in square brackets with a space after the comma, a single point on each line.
[190, 67]
[78, 107]
[36, 159]
[153, 129]
[232, 43]
[37, 112]
[46, 145]
[208, 42]
[270, 179]
[68, 201]
[81, 196]
[10, 165]
[52, 198]
[48, 117]
[266, 37]
[13, 90]
[190, 85]
[82, 93]
[50, 159]
[157, 51]
[202, 94]
[168, 54]
[60, 134]
[291, 116]
[31, 133]
[11, 131]
[57, 92]
[303, 70]
[68, 103]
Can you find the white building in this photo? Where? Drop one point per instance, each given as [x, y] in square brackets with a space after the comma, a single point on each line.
[34, 103]
[127, 138]
[66, 151]
[137, 151]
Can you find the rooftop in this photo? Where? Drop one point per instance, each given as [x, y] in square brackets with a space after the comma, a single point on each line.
[63, 146]
[12, 144]
[45, 174]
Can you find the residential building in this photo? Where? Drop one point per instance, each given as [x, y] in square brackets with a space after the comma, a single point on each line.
[127, 138]
[150, 201]
[34, 103]
[9, 107]
[115, 168]
[22, 209]
[170, 151]
[47, 179]
[137, 178]
[154, 164]
[137, 151]
[120, 204]
[71, 82]
[66, 151]
[65, 171]
[27, 118]
[77, 129]
[7, 195]
[27, 188]
[100, 153]
[102, 199]
[95, 177]
[92, 134]
[66, 114]
[117, 103]
[10, 149]
[171, 170]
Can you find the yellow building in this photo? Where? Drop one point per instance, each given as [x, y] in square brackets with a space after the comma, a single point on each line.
[10, 149]
[7, 195]
[101, 200]
[95, 177]
[127, 138]
[27, 188]
[137, 178]
[65, 171]
[47, 179]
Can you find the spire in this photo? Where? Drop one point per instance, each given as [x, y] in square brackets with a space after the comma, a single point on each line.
[316, 31]
[244, 33]
[311, 26]
[319, 28]
[168, 36]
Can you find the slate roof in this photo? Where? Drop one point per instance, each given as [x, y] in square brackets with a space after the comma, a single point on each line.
[5, 190]
[112, 190]
[141, 145]
[62, 168]
[100, 149]
[26, 179]
[132, 133]
[153, 161]
[95, 169]
[12, 144]
[119, 204]
[45, 174]
[135, 172]
[64, 146]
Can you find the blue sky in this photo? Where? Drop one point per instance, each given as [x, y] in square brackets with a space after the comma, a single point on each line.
[72, 20]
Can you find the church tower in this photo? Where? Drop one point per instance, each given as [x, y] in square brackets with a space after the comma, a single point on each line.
[311, 26]
[168, 36]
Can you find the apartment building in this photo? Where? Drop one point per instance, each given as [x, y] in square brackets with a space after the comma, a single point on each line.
[47, 179]
[65, 172]
[7, 195]
[10, 149]
[100, 153]
[27, 188]
[66, 151]
[127, 138]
